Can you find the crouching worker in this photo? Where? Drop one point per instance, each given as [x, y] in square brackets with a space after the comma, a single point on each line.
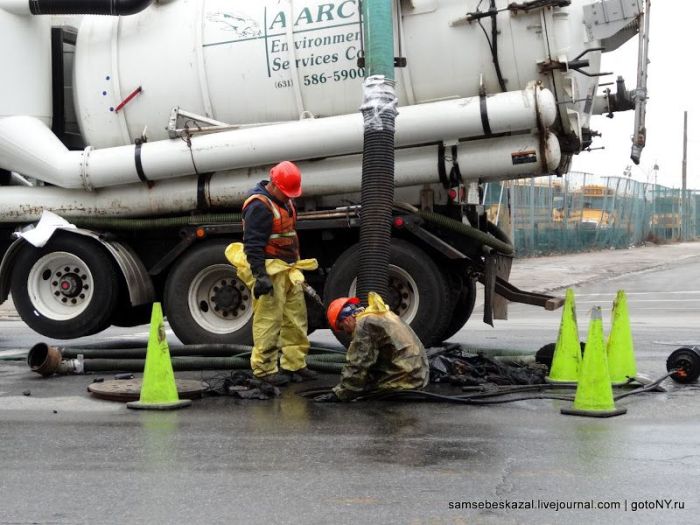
[384, 355]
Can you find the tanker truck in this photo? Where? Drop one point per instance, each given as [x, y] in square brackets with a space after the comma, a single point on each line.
[133, 129]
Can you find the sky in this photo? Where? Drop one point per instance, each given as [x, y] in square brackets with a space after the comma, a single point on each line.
[672, 88]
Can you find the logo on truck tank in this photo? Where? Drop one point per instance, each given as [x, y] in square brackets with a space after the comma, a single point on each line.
[324, 35]
[241, 25]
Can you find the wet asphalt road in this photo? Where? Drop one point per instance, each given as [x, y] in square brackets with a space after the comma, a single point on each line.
[67, 458]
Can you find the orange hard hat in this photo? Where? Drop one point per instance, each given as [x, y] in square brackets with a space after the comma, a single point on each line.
[287, 177]
[335, 308]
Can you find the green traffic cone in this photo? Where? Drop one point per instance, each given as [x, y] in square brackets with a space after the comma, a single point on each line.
[158, 391]
[620, 347]
[567, 352]
[594, 397]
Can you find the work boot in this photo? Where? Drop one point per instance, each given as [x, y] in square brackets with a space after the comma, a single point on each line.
[275, 379]
[301, 375]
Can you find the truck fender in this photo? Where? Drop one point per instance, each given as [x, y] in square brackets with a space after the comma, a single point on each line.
[138, 282]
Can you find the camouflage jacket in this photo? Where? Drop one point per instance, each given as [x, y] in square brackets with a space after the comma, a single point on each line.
[385, 354]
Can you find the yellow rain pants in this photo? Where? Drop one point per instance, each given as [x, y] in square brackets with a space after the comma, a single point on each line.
[279, 319]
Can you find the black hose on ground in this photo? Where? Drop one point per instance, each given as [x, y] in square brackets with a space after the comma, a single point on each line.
[179, 364]
[197, 363]
[204, 350]
[419, 395]
[328, 347]
[209, 350]
[326, 358]
[47, 360]
[324, 367]
[485, 397]
[500, 352]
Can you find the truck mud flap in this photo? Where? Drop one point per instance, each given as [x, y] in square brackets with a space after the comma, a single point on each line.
[497, 288]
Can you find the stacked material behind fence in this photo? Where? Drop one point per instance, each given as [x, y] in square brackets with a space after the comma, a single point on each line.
[581, 211]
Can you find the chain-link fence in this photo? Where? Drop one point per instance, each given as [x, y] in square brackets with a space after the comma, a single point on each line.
[581, 211]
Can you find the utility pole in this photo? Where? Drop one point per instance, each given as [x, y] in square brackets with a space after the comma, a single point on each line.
[684, 202]
[654, 219]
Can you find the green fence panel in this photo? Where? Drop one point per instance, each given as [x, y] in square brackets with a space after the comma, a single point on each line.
[583, 211]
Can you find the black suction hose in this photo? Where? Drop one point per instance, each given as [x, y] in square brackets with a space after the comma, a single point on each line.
[376, 214]
[197, 363]
[179, 364]
[213, 350]
[502, 245]
[88, 7]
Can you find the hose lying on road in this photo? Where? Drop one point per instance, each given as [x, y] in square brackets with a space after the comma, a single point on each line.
[212, 350]
[486, 396]
[179, 364]
[48, 360]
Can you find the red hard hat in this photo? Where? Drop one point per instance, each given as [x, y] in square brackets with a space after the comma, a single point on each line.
[335, 307]
[287, 177]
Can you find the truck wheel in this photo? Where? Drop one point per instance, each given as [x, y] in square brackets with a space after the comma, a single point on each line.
[417, 289]
[204, 300]
[66, 289]
[462, 309]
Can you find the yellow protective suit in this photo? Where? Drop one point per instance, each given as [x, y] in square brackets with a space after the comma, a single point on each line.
[279, 320]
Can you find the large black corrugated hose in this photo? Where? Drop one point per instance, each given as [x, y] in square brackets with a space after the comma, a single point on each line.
[377, 202]
[88, 7]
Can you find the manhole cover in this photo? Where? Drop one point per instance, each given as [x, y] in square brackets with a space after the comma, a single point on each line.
[130, 389]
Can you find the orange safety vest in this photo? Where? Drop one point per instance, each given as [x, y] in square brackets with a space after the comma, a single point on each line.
[283, 243]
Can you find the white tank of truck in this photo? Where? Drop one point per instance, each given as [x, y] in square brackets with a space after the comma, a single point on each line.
[184, 104]
[246, 63]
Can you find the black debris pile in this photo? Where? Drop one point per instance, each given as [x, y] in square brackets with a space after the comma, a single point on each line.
[241, 384]
[456, 367]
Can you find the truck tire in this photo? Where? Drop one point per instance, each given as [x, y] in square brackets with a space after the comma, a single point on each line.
[204, 300]
[67, 289]
[418, 289]
[462, 308]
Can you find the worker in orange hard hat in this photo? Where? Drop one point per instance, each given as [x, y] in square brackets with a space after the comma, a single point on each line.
[279, 310]
[385, 353]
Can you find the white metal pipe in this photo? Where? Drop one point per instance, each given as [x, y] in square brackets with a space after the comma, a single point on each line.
[28, 149]
[25, 44]
[16, 7]
[487, 159]
[18, 180]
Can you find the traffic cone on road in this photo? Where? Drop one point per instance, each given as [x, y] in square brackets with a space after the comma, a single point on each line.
[567, 352]
[620, 347]
[158, 391]
[594, 397]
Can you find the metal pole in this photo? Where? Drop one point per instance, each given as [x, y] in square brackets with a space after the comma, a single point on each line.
[684, 202]
[640, 93]
[532, 214]
[653, 201]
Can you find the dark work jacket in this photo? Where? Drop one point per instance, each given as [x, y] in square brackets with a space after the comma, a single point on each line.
[258, 228]
[385, 354]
